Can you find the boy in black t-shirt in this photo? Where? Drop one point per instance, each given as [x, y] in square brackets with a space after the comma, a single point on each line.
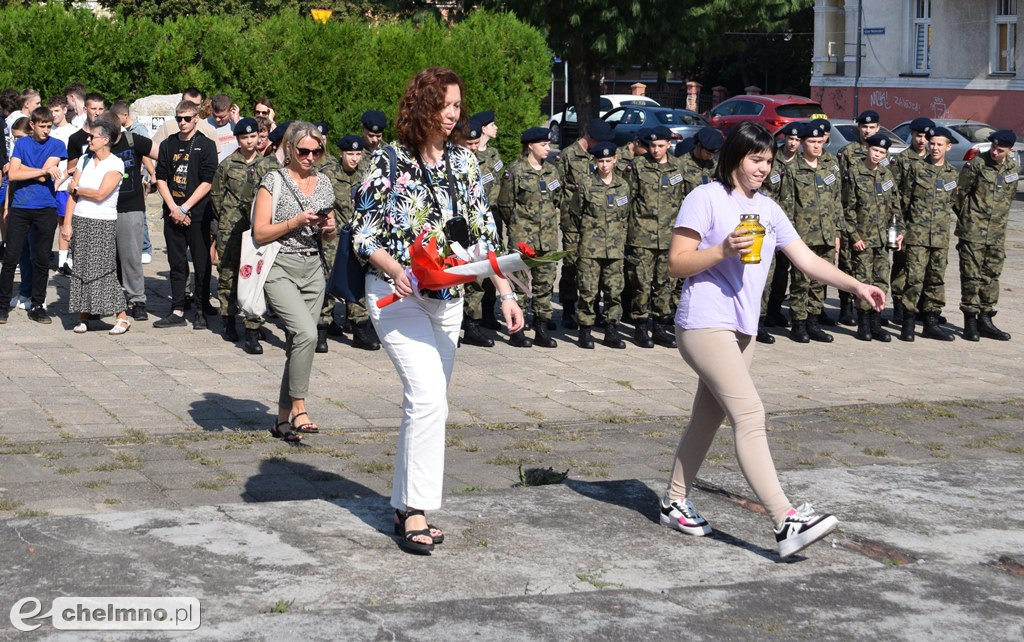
[185, 167]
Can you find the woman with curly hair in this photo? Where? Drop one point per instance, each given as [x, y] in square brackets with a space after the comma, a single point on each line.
[422, 183]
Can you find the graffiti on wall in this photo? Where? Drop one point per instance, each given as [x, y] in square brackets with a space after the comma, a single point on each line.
[880, 98]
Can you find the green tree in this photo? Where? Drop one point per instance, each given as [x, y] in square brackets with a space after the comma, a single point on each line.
[592, 34]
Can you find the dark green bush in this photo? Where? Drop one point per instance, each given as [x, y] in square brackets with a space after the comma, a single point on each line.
[329, 72]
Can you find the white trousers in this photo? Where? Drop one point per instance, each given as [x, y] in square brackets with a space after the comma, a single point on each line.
[420, 335]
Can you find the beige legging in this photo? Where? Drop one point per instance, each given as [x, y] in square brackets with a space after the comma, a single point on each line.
[721, 358]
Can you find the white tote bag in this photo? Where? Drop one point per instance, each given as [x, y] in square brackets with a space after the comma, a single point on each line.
[256, 261]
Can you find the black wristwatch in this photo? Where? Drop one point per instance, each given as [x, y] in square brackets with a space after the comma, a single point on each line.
[74, 191]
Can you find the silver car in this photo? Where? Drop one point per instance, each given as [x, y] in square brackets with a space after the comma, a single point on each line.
[971, 139]
[845, 132]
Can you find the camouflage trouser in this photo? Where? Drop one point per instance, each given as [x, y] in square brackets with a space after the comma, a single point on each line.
[330, 248]
[926, 270]
[542, 287]
[871, 266]
[647, 271]
[604, 273]
[980, 268]
[567, 290]
[846, 260]
[768, 285]
[898, 274]
[807, 297]
[229, 252]
[478, 296]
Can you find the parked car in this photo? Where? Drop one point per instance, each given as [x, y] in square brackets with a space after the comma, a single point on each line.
[845, 132]
[971, 138]
[629, 119]
[571, 128]
[771, 110]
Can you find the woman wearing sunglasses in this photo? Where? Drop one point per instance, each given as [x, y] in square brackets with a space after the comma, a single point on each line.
[302, 217]
[423, 183]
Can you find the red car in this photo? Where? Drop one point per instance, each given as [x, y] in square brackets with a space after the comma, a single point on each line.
[772, 110]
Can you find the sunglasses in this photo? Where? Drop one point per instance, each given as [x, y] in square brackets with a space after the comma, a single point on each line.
[262, 113]
[184, 119]
[302, 151]
[92, 136]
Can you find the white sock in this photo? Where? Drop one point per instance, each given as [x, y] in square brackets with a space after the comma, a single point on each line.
[62, 257]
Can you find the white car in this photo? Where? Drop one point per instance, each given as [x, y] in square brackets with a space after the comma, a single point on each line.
[608, 103]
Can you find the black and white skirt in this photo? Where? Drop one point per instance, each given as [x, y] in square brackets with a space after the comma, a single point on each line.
[94, 285]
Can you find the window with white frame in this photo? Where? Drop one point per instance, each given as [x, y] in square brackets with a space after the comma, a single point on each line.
[921, 37]
[1004, 37]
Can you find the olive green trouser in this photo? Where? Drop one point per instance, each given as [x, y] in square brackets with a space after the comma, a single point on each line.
[295, 288]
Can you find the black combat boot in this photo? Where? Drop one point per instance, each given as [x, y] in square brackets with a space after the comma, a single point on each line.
[863, 325]
[642, 336]
[569, 321]
[321, 339]
[897, 313]
[989, 329]
[489, 321]
[335, 330]
[775, 318]
[933, 329]
[798, 331]
[541, 337]
[763, 336]
[877, 333]
[612, 338]
[474, 336]
[822, 319]
[662, 336]
[252, 342]
[230, 331]
[971, 327]
[907, 327]
[816, 333]
[520, 340]
[200, 322]
[846, 316]
[586, 340]
[364, 336]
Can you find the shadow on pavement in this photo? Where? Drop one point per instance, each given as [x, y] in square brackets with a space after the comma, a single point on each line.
[627, 493]
[216, 412]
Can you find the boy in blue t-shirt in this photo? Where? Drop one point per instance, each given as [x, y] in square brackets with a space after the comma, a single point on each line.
[33, 205]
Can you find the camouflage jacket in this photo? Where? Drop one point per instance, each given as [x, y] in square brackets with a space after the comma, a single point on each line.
[773, 183]
[928, 194]
[812, 197]
[530, 202]
[233, 188]
[574, 165]
[657, 194]
[853, 155]
[871, 201]
[490, 171]
[696, 172]
[264, 166]
[984, 197]
[604, 212]
[345, 186]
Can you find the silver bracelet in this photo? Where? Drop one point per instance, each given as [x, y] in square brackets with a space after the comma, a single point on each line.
[511, 296]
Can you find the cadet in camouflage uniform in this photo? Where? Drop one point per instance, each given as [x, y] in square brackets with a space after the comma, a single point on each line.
[480, 296]
[901, 163]
[928, 193]
[575, 167]
[988, 185]
[778, 273]
[272, 161]
[830, 161]
[658, 184]
[872, 205]
[531, 201]
[231, 193]
[811, 193]
[374, 123]
[602, 205]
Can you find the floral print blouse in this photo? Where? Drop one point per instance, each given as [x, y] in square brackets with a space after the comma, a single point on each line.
[391, 216]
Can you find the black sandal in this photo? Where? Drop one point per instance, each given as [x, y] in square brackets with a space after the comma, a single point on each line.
[438, 539]
[308, 427]
[288, 436]
[406, 541]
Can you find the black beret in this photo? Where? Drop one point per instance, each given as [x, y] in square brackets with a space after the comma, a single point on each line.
[473, 130]
[603, 150]
[246, 126]
[1003, 138]
[659, 133]
[879, 140]
[374, 121]
[323, 127]
[351, 143]
[600, 131]
[794, 129]
[811, 130]
[867, 117]
[710, 139]
[822, 124]
[922, 125]
[535, 135]
[483, 117]
[641, 135]
[943, 132]
[278, 133]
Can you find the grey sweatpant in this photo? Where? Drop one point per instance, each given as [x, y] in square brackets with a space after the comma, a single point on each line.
[129, 231]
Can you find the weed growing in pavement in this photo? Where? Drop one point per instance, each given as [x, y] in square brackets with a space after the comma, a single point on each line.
[999, 416]
[66, 434]
[134, 436]
[96, 484]
[876, 452]
[112, 501]
[67, 470]
[506, 460]
[282, 606]
[28, 514]
[465, 490]
[535, 414]
[593, 577]
[374, 467]
[1016, 450]
[122, 461]
[532, 445]
[20, 449]
[52, 455]
[201, 458]
[6, 505]
[989, 441]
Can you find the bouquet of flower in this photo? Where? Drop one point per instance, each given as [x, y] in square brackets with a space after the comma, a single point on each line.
[430, 271]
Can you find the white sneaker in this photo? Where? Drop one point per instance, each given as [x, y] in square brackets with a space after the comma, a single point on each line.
[681, 515]
[147, 258]
[802, 528]
[21, 303]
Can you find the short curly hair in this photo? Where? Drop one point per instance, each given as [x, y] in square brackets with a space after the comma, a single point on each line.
[421, 104]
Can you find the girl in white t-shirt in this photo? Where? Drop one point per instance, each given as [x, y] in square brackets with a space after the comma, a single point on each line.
[716, 323]
[89, 222]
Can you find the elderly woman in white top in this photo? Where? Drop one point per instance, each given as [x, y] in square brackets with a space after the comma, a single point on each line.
[89, 222]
